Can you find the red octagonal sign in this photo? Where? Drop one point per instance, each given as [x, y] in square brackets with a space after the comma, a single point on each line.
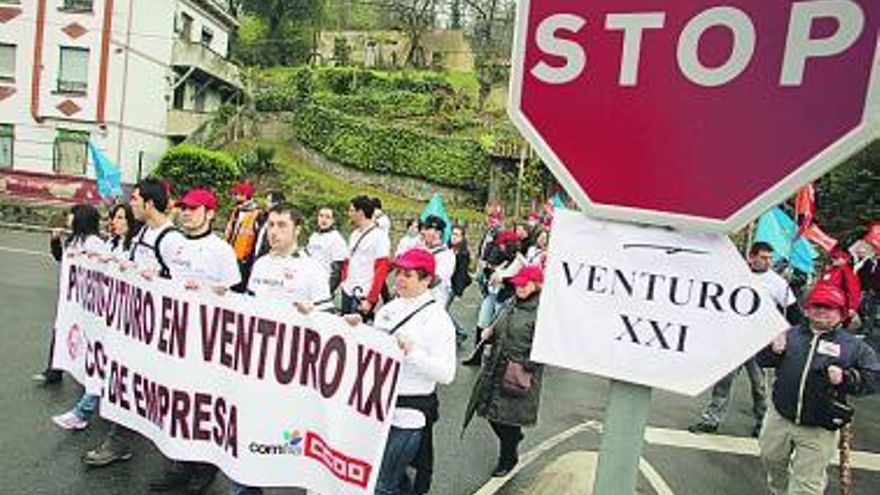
[694, 113]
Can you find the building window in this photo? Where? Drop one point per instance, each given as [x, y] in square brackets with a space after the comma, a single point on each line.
[183, 26]
[77, 5]
[179, 96]
[200, 99]
[207, 36]
[7, 62]
[73, 74]
[7, 140]
[71, 153]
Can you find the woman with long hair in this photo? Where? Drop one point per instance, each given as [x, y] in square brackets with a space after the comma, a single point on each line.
[461, 277]
[83, 222]
[123, 227]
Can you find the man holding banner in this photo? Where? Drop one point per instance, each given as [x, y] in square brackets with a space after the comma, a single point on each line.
[204, 261]
[156, 243]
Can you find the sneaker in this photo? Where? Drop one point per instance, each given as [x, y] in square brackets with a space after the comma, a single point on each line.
[105, 455]
[504, 468]
[703, 427]
[70, 421]
[50, 377]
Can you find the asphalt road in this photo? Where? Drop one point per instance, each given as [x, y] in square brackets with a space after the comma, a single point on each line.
[39, 458]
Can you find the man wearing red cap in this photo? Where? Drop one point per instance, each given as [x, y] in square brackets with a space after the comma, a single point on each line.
[426, 335]
[241, 229]
[817, 366]
[204, 261]
[840, 274]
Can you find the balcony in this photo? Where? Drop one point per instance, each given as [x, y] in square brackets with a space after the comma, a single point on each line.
[184, 122]
[200, 57]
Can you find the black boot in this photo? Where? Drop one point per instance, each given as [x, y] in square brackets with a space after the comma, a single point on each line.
[476, 358]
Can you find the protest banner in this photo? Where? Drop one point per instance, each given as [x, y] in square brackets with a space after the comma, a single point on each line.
[269, 395]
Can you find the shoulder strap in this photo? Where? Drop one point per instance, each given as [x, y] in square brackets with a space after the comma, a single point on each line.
[164, 271]
[361, 238]
[410, 316]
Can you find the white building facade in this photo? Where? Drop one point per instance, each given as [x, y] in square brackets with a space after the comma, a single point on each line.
[130, 76]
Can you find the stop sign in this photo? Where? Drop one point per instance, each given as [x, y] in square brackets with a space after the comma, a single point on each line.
[698, 113]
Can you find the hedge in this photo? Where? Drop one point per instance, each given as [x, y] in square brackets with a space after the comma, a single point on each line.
[356, 142]
[187, 166]
[392, 104]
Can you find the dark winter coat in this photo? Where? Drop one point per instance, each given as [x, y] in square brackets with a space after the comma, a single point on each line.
[802, 391]
[461, 277]
[512, 341]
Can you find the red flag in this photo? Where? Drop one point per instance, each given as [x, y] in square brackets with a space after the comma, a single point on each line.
[873, 236]
[805, 207]
[818, 236]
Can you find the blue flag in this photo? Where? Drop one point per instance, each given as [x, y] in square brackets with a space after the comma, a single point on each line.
[778, 229]
[107, 174]
[435, 207]
[556, 200]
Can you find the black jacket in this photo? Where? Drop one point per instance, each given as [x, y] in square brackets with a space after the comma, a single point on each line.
[461, 277]
[802, 392]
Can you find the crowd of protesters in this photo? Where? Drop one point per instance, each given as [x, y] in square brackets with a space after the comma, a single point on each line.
[818, 362]
[262, 245]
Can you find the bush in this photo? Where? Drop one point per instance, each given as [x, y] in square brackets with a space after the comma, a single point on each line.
[259, 161]
[393, 104]
[188, 166]
[399, 150]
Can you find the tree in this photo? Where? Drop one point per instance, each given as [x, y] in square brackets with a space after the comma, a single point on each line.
[455, 14]
[846, 197]
[491, 35]
[278, 32]
[415, 17]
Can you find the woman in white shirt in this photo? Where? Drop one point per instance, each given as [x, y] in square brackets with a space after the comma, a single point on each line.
[83, 221]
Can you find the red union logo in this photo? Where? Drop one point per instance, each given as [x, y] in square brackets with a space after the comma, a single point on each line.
[692, 114]
[345, 468]
[75, 341]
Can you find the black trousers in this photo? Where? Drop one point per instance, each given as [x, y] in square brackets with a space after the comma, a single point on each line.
[509, 437]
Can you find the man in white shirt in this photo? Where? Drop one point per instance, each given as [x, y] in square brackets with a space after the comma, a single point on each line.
[203, 261]
[366, 268]
[432, 238]
[152, 249]
[760, 261]
[327, 246]
[288, 274]
[426, 335]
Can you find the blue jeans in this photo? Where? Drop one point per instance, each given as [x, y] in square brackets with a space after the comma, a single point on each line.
[86, 406]
[487, 310]
[401, 449]
[238, 489]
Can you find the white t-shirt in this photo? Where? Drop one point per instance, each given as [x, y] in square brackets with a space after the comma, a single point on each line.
[406, 243]
[207, 260]
[296, 278]
[384, 222]
[142, 247]
[327, 248]
[362, 256]
[778, 288]
[432, 359]
[91, 245]
[445, 267]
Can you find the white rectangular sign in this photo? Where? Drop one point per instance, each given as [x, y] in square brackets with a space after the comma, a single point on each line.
[272, 397]
[647, 305]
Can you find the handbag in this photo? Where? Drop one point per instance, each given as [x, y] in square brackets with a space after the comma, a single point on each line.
[517, 382]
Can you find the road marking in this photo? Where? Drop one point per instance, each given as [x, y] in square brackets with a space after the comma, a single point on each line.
[868, 461]
[654, 478]
[24, 251]
[494, 484]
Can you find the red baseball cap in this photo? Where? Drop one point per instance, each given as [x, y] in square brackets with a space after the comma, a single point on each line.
[245, 189]
[826, 294]
[415, 259]
[199, 197]
[505, 237]
[840, 254]
[530, 273]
